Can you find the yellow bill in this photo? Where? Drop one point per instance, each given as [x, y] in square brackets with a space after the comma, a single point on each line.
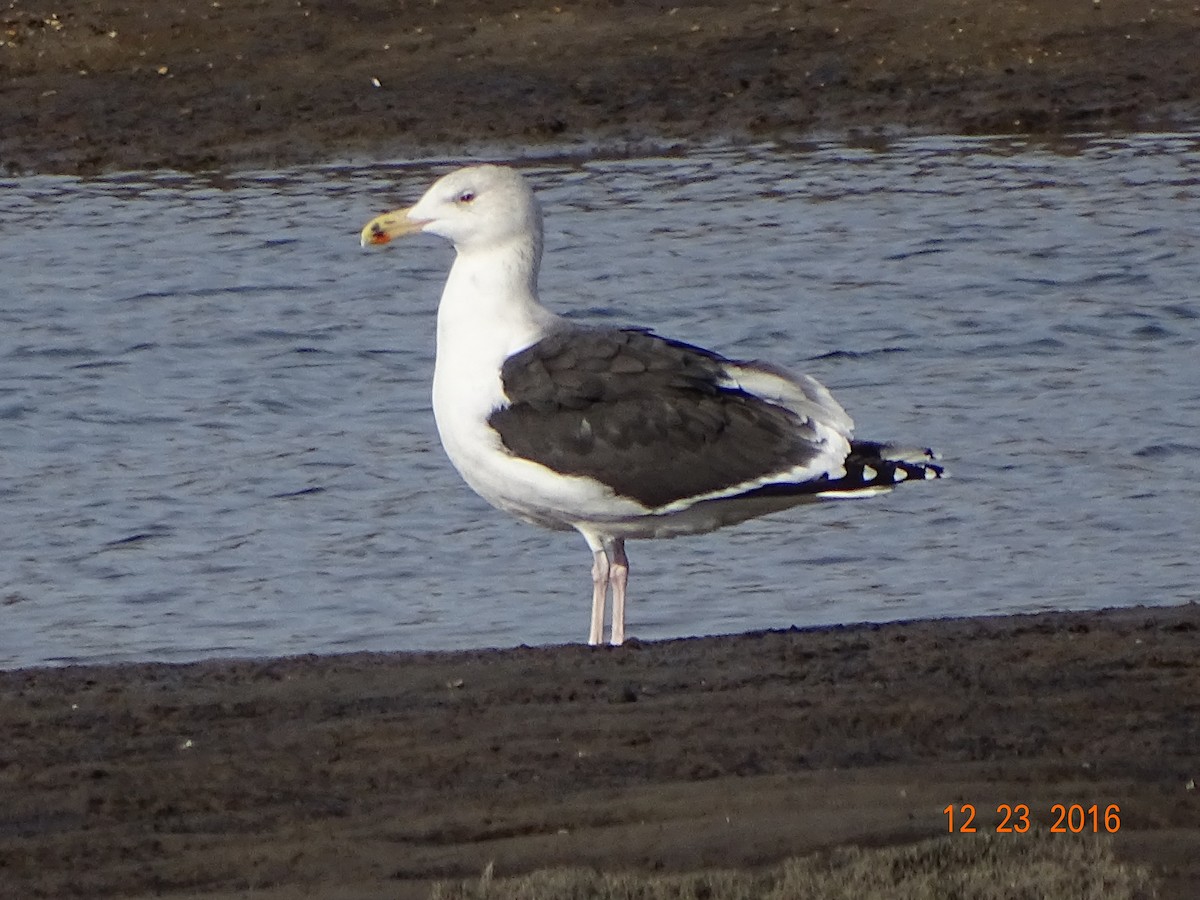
[382, 229]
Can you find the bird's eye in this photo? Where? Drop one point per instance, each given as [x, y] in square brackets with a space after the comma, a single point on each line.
[465, 197]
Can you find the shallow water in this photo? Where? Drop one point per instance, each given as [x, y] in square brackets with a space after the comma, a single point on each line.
[215, 436]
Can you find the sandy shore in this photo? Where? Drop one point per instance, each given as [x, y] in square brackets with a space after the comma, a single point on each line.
[101, 84]
[369, 776]
[372, 775]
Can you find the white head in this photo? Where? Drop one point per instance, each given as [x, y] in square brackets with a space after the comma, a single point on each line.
[477, 208]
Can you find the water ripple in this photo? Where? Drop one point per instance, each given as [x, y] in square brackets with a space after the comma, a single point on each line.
[223, 445]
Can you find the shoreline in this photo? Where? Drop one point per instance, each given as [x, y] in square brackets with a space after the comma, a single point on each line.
[397, 770]
[119, 86]
[1043, 619]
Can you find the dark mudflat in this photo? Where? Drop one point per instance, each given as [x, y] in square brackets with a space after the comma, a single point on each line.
[103, 84]
[368, 776]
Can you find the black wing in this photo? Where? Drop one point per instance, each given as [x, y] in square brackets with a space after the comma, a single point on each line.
[654, 419]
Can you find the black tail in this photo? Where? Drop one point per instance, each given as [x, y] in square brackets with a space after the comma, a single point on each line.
[872, 466]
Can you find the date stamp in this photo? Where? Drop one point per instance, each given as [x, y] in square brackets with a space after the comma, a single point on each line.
[1016, 818]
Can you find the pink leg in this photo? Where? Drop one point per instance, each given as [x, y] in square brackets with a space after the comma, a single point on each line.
[619, 575]
[600, 575]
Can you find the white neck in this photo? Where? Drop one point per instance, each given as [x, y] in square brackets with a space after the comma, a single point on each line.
[490, 300]
[489, 311]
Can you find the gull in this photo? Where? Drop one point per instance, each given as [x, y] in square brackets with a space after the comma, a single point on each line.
[617, 433]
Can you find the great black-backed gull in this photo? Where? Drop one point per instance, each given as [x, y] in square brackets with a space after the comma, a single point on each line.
[617, 433]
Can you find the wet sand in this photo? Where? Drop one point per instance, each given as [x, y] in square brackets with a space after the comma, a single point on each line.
[100, 84]
[371, 775]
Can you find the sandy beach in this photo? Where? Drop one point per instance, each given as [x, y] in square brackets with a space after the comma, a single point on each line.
[367, 776]
[99, 85]
[375, 775]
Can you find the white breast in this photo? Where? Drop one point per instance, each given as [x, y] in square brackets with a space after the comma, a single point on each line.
[480, 324]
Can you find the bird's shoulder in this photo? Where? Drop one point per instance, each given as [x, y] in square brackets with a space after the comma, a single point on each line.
[597, 364]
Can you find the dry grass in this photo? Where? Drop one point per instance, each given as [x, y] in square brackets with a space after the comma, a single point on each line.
[1030, 867]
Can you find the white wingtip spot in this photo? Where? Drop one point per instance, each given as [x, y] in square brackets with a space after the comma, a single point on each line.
[869, 474]
[899, 475]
